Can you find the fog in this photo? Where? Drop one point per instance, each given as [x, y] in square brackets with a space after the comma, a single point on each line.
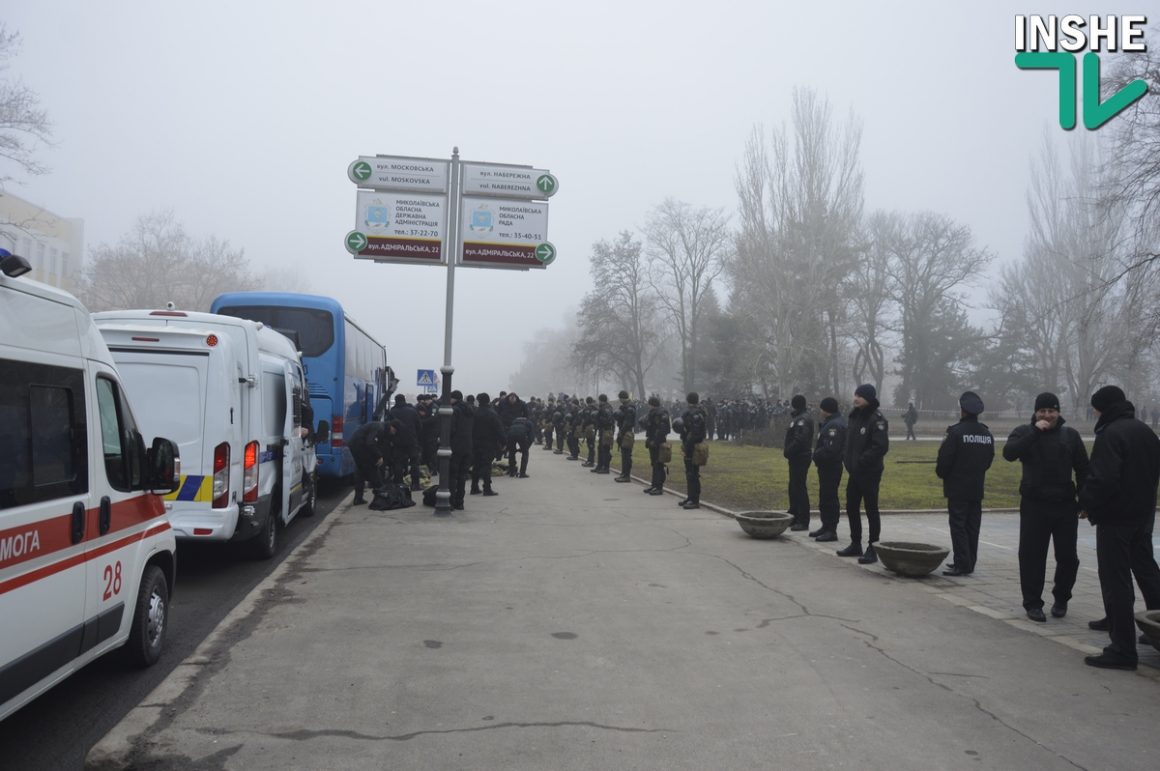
[242, 117]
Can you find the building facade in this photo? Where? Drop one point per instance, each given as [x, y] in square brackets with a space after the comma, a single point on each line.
[52, 244]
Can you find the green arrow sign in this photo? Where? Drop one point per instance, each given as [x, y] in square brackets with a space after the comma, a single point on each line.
[355, 242]
[547, 184]
[545, 253]
[360, 171]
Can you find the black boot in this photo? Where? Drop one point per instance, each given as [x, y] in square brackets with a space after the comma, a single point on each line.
[853, 550]
[870, 557]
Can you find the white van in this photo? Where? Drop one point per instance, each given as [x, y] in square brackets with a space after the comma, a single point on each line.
[87, 555]
[230, 392]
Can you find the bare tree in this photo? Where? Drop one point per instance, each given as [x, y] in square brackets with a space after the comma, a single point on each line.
[158, 263]
[686, 247]
[931, 259]
[619, 329]
[24, 126]
[801, 205]
[869, 296]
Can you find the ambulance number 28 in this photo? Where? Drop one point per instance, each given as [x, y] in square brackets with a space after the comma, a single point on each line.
[112, 580]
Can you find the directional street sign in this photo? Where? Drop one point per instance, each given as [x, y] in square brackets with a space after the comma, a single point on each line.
[389, 172]
[503, 234]
[399, 227]
[500, 181]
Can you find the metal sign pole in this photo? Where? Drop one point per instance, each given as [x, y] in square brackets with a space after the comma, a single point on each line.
[450, 247]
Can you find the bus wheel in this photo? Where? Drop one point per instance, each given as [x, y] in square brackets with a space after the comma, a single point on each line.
[150, 617]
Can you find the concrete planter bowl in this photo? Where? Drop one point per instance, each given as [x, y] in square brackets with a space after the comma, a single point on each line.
[1149, 623]
[764, 524]
[910, 559]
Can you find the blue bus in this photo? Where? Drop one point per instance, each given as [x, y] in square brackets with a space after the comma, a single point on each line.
[346, 368]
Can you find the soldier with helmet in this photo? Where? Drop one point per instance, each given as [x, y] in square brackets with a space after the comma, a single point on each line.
[693, 432]
[656, 432]
[626, 423]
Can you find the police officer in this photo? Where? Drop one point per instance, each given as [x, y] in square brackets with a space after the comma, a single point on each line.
[547, 422]
[369, 447]
[560, 419]
[605, 435]
[575, 428]
[867, 442]
[626, 425]
[1050, 453]
[656, 428]
[964, 456]
[1119, 498]
[588, 428]
[693, 432]
[488, 437]
[519, 437]
[462, 448]
[799, 440]
[828, 452]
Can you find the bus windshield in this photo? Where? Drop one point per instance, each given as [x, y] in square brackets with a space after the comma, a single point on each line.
[315, 327]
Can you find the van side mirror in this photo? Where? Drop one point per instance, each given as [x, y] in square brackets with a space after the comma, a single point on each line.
[163, 468]
[323, 432]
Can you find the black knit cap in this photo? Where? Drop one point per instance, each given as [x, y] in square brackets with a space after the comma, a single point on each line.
[828, 405]
[1108, 396]
[798, 402]
[1046, 401]
[622, 395]
[654, 401]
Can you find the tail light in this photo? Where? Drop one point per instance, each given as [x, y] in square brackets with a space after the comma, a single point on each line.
[250, 474]
[221, 475]
[336, 431]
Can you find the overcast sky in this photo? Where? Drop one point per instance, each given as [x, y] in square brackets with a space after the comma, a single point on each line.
[242, 116]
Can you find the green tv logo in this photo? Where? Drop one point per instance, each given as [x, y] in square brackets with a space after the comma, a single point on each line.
[1053, 43]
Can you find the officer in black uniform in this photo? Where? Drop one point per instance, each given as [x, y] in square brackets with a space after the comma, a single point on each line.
[605, 435]
[867, 442]
[1051, 453]
[547, 423]
[369, 446]
[799, 440]
[966, 453]
[560, 418]
[626, 425]
[588, 428]
[693, 432]
[831, 445]
[575, 428]
[656, 433]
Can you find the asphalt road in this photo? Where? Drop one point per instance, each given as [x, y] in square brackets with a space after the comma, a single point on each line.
[55, 731]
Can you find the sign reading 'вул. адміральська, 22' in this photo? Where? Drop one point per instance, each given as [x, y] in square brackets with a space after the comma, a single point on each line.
[405, 205]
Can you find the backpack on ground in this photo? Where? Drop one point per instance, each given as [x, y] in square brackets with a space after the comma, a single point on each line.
[394, 495]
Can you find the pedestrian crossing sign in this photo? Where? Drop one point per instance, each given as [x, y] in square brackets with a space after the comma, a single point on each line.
[426, 377]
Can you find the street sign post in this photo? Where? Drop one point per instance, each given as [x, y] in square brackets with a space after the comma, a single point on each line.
[430, 211]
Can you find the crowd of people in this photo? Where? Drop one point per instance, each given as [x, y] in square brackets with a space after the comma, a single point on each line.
[1115, 489]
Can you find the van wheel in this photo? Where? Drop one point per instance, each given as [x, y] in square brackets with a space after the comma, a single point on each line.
[150, 618]
[265, 544]
[311, 485]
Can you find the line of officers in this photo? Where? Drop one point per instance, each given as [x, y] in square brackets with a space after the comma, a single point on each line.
[603, 427]
[1115, 490]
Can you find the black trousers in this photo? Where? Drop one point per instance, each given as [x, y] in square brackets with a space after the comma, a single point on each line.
[966, 517]
[1042, 523]
[863, 488]
[605, 441]
[658, 468]
[481, 470]
[367, 472]
[1123, 550]
[693, 478]
[829, 479]
[574, 445]
[523, 448]
[459, 471]
[799, 493]
[625, 462]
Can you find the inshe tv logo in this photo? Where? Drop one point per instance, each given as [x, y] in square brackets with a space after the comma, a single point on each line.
[1053, 43]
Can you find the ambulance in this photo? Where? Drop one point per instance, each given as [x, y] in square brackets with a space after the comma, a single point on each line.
[87, 555]
[230, 392]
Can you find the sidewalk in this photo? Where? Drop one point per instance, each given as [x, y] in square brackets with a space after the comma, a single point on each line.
[573, 623]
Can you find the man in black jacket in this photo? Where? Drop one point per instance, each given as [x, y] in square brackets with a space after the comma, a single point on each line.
[656, 428]
[626, 436]
[693, 432]
[488, 437]
[1119, 498]
[966, 452]
[462, 448]
[867, 442]
[828, 460]
[519, 438]
[409, 417]
[1051, 453]
[369, 447]
[799, 440]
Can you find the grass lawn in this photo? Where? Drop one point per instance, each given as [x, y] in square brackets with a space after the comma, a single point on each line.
[742, 477]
